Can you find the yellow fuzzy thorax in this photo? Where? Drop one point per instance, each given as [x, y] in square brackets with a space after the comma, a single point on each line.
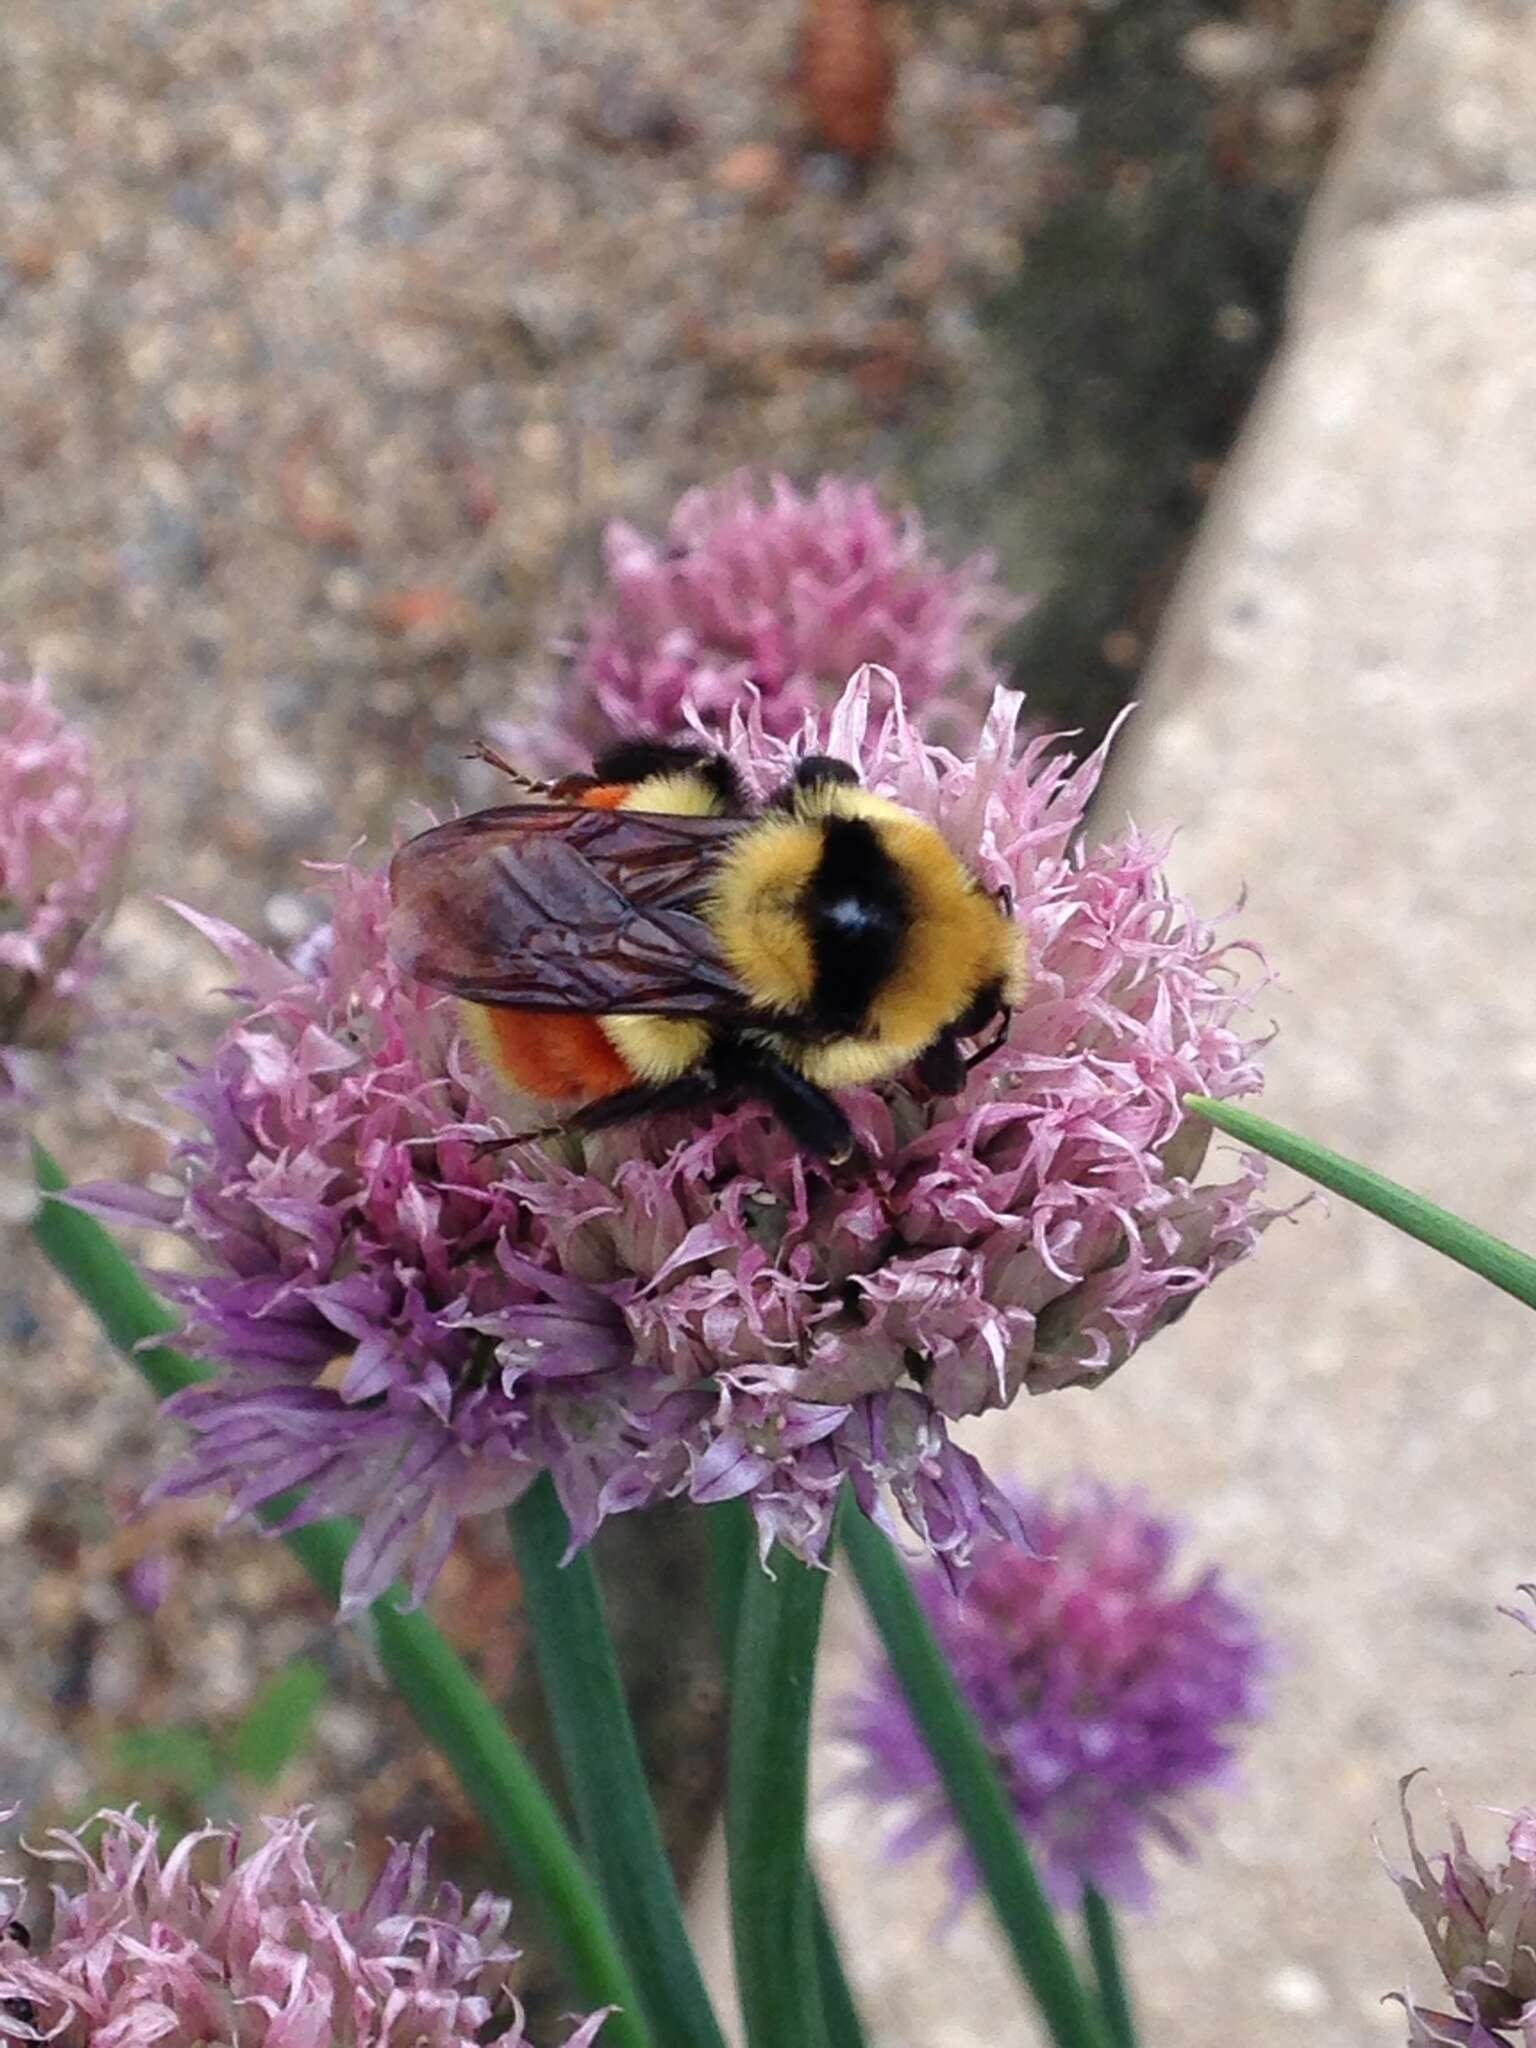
[957, 942]
[754, 910]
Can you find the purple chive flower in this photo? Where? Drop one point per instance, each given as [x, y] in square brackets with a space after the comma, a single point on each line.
[1108, 1690]
[691, 1306]
[1480, 1922]
[251, 1947]
[1026, 1234]
[396, 1340]
[61, 843]
[789, 595]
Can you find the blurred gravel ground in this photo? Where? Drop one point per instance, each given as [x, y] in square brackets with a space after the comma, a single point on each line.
[330, 332]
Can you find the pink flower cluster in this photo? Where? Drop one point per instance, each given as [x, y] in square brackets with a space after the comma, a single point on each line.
[1480, 1922]
[61, 842]
[789, 595]
[396, 1341]
[692, 1306]
[211, 1941]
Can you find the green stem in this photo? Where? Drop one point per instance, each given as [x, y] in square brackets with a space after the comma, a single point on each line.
[772, 1911]
[844, 2027]
[448, 1706]
[77, 1247]
[975, 1791]
[1489, 1257]
[1104, 1948]
[596, 1738]
[458, 1720]
[733, 1554]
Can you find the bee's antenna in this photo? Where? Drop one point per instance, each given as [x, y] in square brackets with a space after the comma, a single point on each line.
[482, 750]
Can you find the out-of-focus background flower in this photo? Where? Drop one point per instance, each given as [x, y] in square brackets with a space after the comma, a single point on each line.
[62, 834]
[1113, 1677]
[333, 333]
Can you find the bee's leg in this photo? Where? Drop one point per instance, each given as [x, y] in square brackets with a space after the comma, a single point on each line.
[809, 1115]
[487, 1148]
[814, 772]
[696, 1089]
[942, 1066]
[625, 1106]
[807, 1112]
[996, 1042]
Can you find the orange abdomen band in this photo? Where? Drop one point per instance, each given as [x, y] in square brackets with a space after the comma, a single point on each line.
[557, 1056]
[605, 796]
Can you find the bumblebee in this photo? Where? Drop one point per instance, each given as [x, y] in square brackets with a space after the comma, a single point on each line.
[645, 939]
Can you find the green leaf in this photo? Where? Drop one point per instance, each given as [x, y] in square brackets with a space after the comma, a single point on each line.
[181, 1760]
[1489, 1257]
[450, 1709]
[1109, 1973]
[975, 1790]
[733, 1553]
[773, 1916]
[601, 1760]
[276, 1725]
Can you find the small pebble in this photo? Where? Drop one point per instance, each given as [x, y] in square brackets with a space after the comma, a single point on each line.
[860, 248]
[1288, 116]
[625, 113]
[1237, 324]
[19, 1325]
[1228, 53]
[829, 173]
[752, 171]
[1296, 1990]
[1056, 127]
[18, 1196]
[284, 785]
[345, 1732]
[289, 917]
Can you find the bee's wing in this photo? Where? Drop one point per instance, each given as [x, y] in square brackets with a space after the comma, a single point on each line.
[558, 907]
